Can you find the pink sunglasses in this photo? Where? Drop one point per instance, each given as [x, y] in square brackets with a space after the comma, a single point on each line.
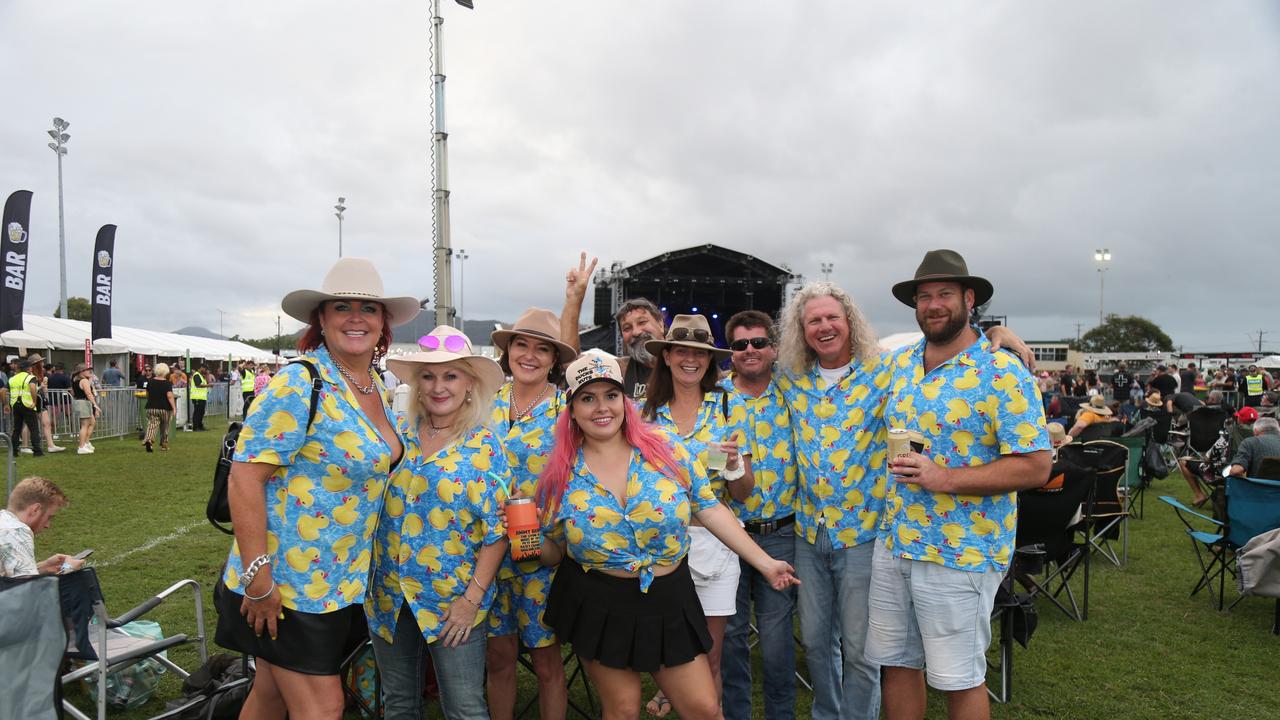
[452, 343]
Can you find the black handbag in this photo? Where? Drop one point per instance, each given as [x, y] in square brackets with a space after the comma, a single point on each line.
[1153, 463]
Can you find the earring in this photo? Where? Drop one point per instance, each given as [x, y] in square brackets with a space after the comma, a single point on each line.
[321, 332]
[468, 398]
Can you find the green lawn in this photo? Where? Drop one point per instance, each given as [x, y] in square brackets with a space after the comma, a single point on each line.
[1147, 651]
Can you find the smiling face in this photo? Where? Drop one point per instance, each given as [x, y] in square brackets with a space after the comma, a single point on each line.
[351, 327]
[826, 331]
[442, 390]
[753, 363]
[687, 364]
[942, 310]
[598, 409]
[530, 359]
[637, 322]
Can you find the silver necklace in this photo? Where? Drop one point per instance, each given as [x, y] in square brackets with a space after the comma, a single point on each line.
[433, 431]
[521, 413]
[362, 389]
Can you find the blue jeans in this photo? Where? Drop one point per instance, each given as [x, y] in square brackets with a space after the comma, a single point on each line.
[459, 670]
[773, 611]
[833, 594]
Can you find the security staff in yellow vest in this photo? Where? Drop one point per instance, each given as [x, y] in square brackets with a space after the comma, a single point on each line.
[246, 385]
[198, 391]
[1255, 384]
[23, 387]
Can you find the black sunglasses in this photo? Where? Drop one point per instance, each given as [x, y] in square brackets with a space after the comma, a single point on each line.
[758, 343]
[697, 334]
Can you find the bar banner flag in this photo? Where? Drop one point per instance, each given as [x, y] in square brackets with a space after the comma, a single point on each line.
[104, 262]
[14, 253]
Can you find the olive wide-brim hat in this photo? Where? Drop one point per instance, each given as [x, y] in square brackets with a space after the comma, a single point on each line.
[690, 331]
[350, 278]
[538, 324]
[943, 266]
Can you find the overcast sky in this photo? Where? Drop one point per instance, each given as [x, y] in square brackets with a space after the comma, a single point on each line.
[218, 136]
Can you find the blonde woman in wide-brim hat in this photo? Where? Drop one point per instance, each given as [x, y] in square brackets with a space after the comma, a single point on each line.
[439, 540]
[524, 416]
[305, 493]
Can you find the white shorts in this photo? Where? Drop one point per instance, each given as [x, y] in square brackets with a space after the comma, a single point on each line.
[927, 616]
[715, 572]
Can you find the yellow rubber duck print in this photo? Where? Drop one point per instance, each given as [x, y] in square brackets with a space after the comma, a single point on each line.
[280, 424]
[300, 559]
[318, 587]
[345, 514]
[309, 526]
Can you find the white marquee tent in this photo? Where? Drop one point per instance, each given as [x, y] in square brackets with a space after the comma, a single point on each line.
[50, 333]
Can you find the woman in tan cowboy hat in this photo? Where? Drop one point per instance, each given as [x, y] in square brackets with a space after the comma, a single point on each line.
[524, 417]
[439, 540]
[1091, 413]
[305, 492]
[684, 397]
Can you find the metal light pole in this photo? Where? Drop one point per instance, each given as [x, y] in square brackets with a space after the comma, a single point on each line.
[826, 268]
[341, 208]
[443, 276]
[221, 314]
[1102, 256]
[462, 286]
[59, 146]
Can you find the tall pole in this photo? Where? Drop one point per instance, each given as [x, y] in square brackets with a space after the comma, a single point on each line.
[462, 286]
[59, 147]
[221, 313]
[826, 268]
[341, 208]
[440, 138]
[1102, 256]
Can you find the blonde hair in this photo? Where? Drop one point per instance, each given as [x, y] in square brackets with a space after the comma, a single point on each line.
[474, 413]
[794, 354]
[36, 489]
[161, 371]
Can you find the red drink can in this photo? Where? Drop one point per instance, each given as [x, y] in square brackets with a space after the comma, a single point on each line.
[523, 529]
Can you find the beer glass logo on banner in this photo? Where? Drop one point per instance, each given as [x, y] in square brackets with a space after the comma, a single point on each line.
[16, 234]
[104, 259]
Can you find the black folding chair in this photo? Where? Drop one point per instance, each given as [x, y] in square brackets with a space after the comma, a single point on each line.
[1107, 515]
[1050, 541]
[1163, 419]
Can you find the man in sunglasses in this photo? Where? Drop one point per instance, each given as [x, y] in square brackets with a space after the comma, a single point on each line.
[639, 321]
[764, 505]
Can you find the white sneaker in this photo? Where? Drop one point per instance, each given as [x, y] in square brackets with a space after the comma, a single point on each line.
[84, 450]
[90, 446]
[55, 449]
[26, 451]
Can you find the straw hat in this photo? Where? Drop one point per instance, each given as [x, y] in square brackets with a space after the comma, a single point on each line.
[943, 266]
[79, 368]
[592, 367]
[1097, 405]
[690, 331]
[1058, 435]
[1153, 400]
[349, 279]
[539, 324]
[446, 344]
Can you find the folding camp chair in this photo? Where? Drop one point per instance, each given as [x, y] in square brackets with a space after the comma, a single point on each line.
[1136, 480]
[1107, 515]
[579, 675]
[1268, 469]
[32, 642]
[1049, 521]
[111, 650]
[1163, 419]
[1252, 507]
[1101, 430]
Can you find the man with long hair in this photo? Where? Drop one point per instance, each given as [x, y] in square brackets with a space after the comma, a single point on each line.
[639, 321]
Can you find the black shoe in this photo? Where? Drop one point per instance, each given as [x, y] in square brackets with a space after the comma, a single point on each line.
[148, 446]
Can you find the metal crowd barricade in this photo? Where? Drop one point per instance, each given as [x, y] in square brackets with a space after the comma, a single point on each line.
[119, 413]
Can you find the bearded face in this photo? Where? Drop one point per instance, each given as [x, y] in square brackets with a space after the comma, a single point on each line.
[636, 350]
[942, 310]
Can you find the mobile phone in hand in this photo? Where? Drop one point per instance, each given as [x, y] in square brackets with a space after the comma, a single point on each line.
[82, 554]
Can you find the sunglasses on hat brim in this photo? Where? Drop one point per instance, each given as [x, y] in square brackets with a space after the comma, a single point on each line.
[694, 334]
[452, 343]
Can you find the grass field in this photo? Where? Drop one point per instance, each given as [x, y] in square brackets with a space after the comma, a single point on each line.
[1147, 650]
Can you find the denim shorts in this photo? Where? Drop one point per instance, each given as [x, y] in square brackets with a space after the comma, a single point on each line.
[927, 616]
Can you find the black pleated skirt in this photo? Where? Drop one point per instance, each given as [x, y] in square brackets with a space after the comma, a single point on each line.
[608, 619]
[309, 643]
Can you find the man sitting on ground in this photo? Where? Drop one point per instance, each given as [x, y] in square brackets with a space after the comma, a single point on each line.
[1264, 443]
[32, 505]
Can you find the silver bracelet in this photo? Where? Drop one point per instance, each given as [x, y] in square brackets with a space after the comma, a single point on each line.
[263, 596]
[251, 571]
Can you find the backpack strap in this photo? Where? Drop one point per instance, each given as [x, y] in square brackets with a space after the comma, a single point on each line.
[317, 383]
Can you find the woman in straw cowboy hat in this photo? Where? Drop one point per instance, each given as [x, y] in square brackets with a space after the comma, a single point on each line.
[618, 495]
[440, 539]
[524, 416]
[684, 397]
[304, 498]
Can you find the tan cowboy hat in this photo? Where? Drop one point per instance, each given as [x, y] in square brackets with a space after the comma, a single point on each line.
[1058, 435]
[689, 331]
[1097, 405]
[32, 359]
[941, 266]
[79, 368]
[538, 324]
[592, 367]
[1154, 400]
[446, 344]
[349, 279]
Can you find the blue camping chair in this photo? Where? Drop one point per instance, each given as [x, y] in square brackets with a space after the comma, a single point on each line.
[1252, 508]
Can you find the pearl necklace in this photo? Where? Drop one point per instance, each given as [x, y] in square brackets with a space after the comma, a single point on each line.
[362, 389]
[521, 413]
